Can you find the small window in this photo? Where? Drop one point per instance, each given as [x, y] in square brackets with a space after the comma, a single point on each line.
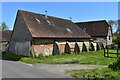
[37, 20]
[69, 30]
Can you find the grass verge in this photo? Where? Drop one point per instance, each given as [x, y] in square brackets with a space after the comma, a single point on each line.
[94, 57]
[100, 73]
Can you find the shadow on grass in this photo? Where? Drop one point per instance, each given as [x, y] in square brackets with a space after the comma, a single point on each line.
[11, 57]
[110, 57]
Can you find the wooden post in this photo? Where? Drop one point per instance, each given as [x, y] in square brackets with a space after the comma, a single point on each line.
[107, 51]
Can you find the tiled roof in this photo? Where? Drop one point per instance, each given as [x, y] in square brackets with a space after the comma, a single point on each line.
[6, 35]
[44, 26]
[95, 28]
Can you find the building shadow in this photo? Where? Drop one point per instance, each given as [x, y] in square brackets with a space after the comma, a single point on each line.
[10, 56]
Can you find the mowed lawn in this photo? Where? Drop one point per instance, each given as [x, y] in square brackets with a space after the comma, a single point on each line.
[93, 58]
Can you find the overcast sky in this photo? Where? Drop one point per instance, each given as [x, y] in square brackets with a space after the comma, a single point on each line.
[79, 11]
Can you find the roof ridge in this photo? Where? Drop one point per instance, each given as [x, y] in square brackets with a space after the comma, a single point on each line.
[44, 15]
[92, 21]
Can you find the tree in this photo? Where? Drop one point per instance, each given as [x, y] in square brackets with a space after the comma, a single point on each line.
[115, 24]
[118, 30]
[3, 26]
[118, 33]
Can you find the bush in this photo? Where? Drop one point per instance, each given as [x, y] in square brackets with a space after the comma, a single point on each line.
[116, 39]
[115, 66]
[118, 42]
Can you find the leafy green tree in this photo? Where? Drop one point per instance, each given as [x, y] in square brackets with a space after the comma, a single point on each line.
[3, 26]
[118, 33]
[115, 24]
[118, 30]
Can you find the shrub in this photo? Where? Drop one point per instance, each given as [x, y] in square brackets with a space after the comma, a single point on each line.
[115, 66]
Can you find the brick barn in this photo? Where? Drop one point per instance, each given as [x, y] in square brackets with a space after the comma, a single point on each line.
[39, 34]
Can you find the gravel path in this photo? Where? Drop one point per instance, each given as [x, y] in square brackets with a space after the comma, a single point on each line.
[60, 68]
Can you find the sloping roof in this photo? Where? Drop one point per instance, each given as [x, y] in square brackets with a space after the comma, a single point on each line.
[95, 28]
[6, 35]
[41, 26]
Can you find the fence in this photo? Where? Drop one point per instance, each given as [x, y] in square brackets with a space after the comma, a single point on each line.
[108, 50]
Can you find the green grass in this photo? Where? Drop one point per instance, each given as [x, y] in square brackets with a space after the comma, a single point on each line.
[93, 57]
[10, 56]
[113, 53]
[100, 73]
